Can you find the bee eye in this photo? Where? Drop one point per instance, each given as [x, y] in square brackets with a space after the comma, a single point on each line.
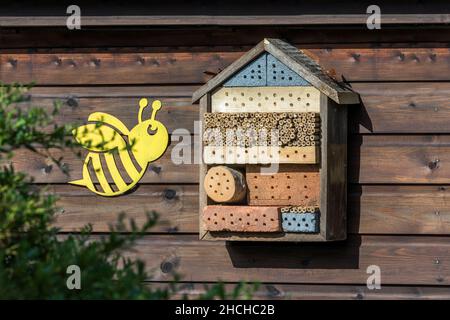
[150, 131]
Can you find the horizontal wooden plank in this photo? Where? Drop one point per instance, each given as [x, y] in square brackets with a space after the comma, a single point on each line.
[386, 107]
[194, 37]
[43, 170]
[371, 210]
[399, 159]
[402, 64]
[113, 68]
[221, 20]
[375, 64]
[277, 291]
[404, 260]
[393, 209]
[229, 8]
[176, 113]
[401, 108]
[176, 206]
[62, 93]
[382, 159]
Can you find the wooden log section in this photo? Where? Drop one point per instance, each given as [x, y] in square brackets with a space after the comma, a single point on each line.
[225, 185]
[242, 219]
[290, 185]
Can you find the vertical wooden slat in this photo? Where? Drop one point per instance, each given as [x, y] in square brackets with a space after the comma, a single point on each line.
[204, 106]
[333, 184]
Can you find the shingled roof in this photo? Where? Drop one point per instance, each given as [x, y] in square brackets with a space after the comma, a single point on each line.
[293, 58]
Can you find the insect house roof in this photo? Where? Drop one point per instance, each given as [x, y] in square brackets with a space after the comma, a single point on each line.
[303, 70]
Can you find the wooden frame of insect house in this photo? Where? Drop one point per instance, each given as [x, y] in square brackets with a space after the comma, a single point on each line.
[292, 187]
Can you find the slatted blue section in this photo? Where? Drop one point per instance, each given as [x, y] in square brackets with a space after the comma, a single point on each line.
[266, 70]
[279, 75]
[252, 75]
[300, 222]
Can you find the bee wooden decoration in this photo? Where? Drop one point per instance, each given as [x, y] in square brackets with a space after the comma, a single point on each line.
[104, 137]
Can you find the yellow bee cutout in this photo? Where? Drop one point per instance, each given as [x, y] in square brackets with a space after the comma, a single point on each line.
[107, 134]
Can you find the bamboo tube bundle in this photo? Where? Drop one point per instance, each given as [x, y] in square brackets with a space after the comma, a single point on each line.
[295, 129]
[285, 209]
[299, 209]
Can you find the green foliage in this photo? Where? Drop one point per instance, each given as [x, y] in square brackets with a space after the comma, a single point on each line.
[33, 257]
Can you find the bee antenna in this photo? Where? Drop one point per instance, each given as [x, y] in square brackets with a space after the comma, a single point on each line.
[156, 105]
[143, 103]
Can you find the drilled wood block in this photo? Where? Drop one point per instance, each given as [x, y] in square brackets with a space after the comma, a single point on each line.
[225, 185]
[297, 185]
[307, 222]
[266, 99]
[242, 219]
[261, 155]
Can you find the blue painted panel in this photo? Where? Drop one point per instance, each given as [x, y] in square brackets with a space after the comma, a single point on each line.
[278, 74]
[300, 222]
[252, 75]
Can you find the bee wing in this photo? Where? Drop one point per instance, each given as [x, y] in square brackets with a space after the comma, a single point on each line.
[109, 119]
[99, 137]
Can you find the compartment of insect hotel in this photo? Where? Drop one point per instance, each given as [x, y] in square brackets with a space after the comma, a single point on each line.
[274, 143]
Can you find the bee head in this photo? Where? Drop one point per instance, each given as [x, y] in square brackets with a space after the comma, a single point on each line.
[150, 136]
[143, 103]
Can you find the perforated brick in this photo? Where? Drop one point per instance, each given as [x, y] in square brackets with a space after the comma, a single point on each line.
[242, 219]
[278, 74]
[252, 75]
[300, 222]
[296, 185]
[266, 70]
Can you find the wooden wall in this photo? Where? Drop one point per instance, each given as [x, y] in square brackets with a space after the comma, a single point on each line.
[399, 153]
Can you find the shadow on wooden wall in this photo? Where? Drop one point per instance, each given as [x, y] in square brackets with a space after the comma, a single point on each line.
[332, 255]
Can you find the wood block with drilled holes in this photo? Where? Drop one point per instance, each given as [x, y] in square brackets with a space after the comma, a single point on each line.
[266, 99]
[242, 219]
[225, 185]
[297, 185]
[261, 154]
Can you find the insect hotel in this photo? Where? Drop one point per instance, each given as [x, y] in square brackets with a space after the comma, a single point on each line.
[274, 149]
